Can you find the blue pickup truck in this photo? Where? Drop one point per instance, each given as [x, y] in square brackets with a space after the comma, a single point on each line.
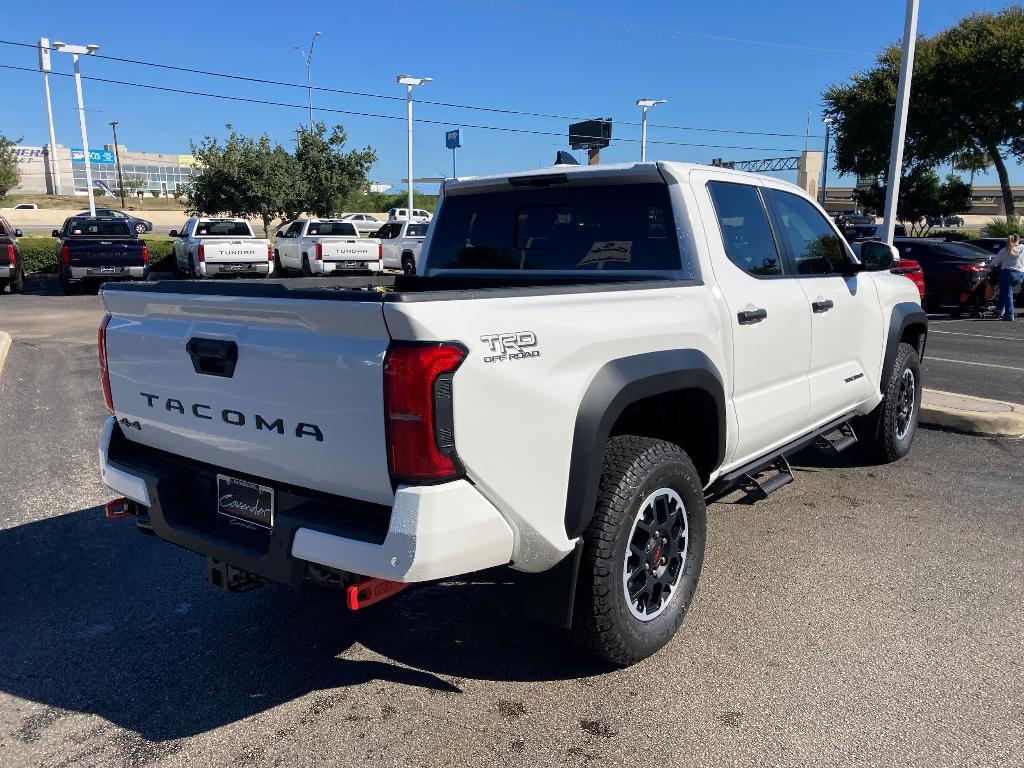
[98, 249]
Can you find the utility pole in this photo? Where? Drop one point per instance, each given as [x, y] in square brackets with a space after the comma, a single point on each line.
[308, 58]
[899, 127]
[824, 168]
[44, 67]
[117, 159]
[76, 51]
[408, 81]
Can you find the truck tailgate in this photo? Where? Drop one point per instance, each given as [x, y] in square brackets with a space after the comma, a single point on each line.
[107, 253]
[303, 404]
[348, 249]
[234, 250]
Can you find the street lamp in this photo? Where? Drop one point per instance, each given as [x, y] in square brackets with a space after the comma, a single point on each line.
[645, 104]
[51, 159]
[827, 122]
[76, 51]
[899, 125]
[409, 81]
[308, 58]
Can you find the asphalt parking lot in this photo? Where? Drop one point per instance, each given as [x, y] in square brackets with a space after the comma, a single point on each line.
[984, 358]
[862, 615]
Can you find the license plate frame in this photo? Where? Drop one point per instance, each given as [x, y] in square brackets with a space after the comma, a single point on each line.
[245, 503]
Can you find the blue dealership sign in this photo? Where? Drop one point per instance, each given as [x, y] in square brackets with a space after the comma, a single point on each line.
[96, 156]
[451, 139]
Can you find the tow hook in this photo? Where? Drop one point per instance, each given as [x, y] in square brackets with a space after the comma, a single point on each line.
[122, 507]
[368, 591]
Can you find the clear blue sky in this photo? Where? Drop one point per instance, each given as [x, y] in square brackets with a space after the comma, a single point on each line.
[728, 65]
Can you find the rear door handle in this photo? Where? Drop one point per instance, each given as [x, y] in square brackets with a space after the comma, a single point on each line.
[751, 316]
[822, 306]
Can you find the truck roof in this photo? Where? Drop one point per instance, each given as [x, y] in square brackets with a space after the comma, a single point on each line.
[637, 172]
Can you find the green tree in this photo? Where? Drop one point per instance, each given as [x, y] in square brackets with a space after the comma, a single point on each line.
[10, 173]
[967, 93]
[972, 161]
[132, 185]
[331, 177]
[245, 177]
[922, 195]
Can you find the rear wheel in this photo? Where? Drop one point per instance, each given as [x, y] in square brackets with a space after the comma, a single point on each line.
[193, 270]
[887, 433]
[66, 286]
[643, 550]
[140, 229]
[18, 282]
[279, 269]
[408, 264]
[306, 271]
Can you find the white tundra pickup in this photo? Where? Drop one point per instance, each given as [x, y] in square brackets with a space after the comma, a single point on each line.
[217, 247]
[401, 243]
[585, 358]
[323, 247]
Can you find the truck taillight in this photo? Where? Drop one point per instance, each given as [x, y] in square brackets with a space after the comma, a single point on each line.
[101, 343]
[419, 413]
[65, 255]
[319, 251]
[10, 254]
[380, 252]
[145, 254]
[202, 253]
[270, 252]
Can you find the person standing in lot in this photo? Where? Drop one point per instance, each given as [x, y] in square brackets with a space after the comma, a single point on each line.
[1010, 260]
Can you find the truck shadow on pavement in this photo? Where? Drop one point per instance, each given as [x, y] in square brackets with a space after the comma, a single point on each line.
[101, 619]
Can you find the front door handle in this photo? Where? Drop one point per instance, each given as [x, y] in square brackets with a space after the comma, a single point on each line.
[751, 316]
[822, 306]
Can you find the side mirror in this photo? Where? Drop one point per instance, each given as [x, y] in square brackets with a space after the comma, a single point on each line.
[877, 256]
[17, 233]
[55, 233]
[173, 233]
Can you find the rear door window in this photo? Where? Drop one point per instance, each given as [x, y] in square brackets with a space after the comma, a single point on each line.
[746, 233]
[816, 248]
[603, 228]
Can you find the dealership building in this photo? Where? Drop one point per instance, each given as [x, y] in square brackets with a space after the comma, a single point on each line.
[161, 173]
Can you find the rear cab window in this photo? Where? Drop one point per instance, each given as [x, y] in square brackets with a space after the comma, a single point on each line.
[93, 228]
[331, 229]
[223, 229]
[602, 229]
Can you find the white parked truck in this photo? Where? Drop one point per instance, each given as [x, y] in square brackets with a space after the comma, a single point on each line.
[325, 247]
[584, 359]
[402, 214]
[211, 247]
[401, 243]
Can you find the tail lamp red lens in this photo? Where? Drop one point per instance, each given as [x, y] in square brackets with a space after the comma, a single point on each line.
[969, 268]
[65, 255]
[101, 343]
[319, 252]
[145, 254]
[270, 252]
[380, 252]
[10, 254]
[419, 411]
[202, 253]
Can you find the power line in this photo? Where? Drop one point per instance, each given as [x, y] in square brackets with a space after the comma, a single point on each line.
[387, 97]
[450, 123]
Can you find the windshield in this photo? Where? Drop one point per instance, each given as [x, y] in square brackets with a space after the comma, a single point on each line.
[223, 229]
[568, 228]
[94, 228]
[331, 228]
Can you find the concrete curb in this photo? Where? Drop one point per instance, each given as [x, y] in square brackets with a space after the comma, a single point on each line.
[5, 347]
[973, 415]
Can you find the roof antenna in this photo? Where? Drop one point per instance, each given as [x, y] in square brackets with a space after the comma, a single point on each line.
[565, 158]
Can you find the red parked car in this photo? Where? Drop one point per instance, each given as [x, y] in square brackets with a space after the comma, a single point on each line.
[911, 269]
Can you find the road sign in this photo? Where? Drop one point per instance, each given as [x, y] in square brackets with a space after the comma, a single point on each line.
[451, 139]
[591, 134]
[96, 156]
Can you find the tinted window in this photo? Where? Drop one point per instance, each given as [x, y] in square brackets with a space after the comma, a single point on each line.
[603, 228]
[295, 229]
[745, 230]
[416, 230]
[223, 229]
[94, 228]
[816, 248]
[389, 231]
[331, 228]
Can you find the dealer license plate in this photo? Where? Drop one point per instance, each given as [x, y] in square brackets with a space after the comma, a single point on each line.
[244, 503]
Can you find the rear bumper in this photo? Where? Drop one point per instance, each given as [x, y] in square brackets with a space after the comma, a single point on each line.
[334, 267]
[214, 269]
[430, 532]
[94, 273]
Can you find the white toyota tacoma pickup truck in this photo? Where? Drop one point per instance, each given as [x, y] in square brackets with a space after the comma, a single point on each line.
[585, 358]
[325, 246]
[208, 247]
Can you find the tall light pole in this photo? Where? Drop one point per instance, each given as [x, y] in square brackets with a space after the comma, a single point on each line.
[117, 159]
[44, 67]
[308, 58]
[899, 126]
[645, 104]
[827, 122]
[409, 81]
[76, 51]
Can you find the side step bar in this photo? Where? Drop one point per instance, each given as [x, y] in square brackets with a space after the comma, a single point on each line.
[837, 441]
[759, 489]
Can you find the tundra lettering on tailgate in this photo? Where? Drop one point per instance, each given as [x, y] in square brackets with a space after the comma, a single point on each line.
[232, 417]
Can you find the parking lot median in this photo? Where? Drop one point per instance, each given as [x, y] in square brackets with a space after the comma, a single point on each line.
[974, 415]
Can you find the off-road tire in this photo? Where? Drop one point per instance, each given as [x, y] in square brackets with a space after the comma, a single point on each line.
[306, 271]
[408, 264]
[634, 468]
[878, 433]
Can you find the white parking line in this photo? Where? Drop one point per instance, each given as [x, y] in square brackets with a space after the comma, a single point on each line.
[929, 358]
[979, 335]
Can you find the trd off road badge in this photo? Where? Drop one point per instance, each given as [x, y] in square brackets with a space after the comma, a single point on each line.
[510, 346]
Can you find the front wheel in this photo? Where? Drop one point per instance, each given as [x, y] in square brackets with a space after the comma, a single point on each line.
[643, 550]
[887, 433]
